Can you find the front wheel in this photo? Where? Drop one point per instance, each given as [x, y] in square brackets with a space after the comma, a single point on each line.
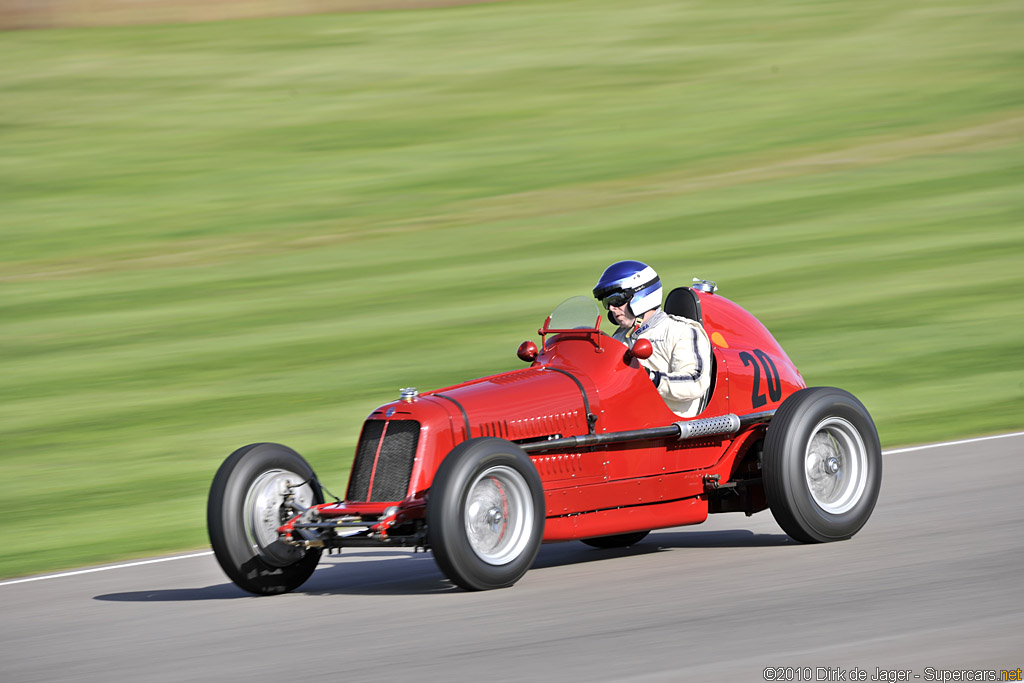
[245, 508]
[822, 465]
[485, 515]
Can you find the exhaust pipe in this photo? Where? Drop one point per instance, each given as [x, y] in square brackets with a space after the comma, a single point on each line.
[683, 431]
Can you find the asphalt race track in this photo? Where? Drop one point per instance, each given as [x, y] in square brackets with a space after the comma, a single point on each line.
[933, 585]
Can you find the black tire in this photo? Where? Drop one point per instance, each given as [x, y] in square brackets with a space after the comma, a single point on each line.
[822, 465]
[616, 541]
[485, 515]
[243, 513]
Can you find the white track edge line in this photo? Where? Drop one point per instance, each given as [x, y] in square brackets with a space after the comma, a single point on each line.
[126, 565]
[92, 570]
[951, 443]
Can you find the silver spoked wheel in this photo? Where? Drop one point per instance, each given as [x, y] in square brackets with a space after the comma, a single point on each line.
[821, 465]
[485, 515]
[499, 515]
[836, 465]
[263, 514]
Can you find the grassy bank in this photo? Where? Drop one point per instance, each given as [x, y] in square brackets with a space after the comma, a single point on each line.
[259, 230]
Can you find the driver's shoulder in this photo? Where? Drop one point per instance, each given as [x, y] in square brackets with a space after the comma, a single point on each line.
[672, 319]
[685, 325]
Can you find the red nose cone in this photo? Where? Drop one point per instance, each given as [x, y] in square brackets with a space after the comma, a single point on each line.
[642, 349]
[528, 351]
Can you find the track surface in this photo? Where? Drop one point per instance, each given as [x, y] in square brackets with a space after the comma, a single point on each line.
[936, 579]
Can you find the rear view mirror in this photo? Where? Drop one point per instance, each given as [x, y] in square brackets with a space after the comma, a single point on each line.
[641, 350]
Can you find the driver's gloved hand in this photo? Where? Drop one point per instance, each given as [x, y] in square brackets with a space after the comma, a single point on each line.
[655, 376]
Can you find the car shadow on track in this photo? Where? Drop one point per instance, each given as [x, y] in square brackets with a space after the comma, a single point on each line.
[224, 591]
[380, 572]
[563, 554]
[730, 538]
[383, 572]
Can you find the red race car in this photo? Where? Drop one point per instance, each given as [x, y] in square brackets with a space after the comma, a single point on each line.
[579, 445]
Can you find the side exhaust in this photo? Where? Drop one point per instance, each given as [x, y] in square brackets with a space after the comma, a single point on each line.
[683, 431]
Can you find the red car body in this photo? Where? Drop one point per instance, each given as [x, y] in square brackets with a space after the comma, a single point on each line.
[607, 460]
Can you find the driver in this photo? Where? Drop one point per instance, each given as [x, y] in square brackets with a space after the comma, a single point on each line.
[680, 366]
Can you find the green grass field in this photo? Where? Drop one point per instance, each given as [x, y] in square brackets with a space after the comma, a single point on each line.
[260, 230]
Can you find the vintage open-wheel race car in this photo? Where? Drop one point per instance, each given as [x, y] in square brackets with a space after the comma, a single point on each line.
[577, 446]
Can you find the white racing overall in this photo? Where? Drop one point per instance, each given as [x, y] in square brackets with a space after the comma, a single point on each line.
[682, 354]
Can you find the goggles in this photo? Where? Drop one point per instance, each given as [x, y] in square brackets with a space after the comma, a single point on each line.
[617, 299]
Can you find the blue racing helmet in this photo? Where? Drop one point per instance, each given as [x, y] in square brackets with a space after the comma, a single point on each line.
[629, 281]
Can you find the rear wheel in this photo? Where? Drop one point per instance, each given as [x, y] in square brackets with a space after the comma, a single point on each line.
[616, 541]
[245, 508]
[485, 516]
[822, 465]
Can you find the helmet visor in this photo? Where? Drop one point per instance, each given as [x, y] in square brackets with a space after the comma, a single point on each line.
[617, 299]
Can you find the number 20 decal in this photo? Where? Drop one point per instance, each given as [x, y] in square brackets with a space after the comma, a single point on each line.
[757, 399]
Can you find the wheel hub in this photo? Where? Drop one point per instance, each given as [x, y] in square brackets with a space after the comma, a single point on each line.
[264, 511]
[835, 465]
[498, 515]
[495, 518]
